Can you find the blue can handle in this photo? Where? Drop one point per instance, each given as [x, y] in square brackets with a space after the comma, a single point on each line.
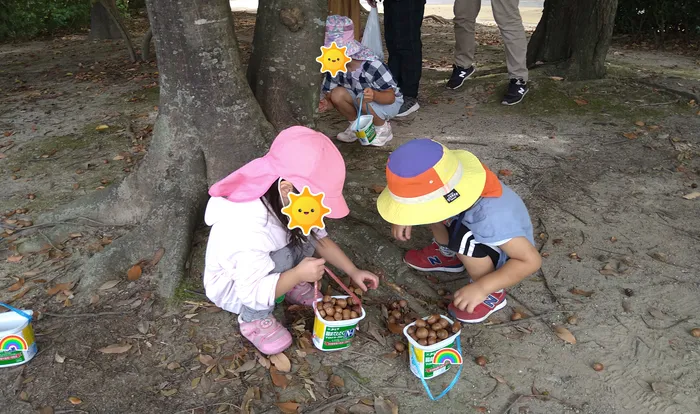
[449, 387]
[19, 311]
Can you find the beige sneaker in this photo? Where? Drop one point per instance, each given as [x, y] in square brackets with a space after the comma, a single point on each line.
[348, 135]
[384, 135]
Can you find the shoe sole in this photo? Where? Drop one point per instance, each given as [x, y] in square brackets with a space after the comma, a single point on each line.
[437, 269]
[411, 110]
[515, 103]
[492, 311]
[462, 83]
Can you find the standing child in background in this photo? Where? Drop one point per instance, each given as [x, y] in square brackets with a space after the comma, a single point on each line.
[367, 75]
[252, 257]
[478, 223]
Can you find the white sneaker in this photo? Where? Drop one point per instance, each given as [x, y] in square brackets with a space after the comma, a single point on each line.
[348, 135]
[384, 135]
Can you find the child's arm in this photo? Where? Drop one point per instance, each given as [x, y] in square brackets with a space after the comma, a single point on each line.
[386, 97]
[309, 270]
[523, 260]
[330, 251]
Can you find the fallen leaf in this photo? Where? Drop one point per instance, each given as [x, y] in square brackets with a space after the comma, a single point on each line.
[382, 406]
[109, 285]
[288, 407]
[59, 288]
[264, 362]
[692, 196]
[195, 382]
[585, 293]
[15, 258]
[640, 123]
[75, 400]
[209, 361]
[337, 381]
[45, 410]
[660, 257]
[565, 335]
[20, 294]
[134, 273]
[247, 398]
[281, 362]
[94, 298]
[395, 328]
[102, 127]
[556, 78]
[630, 135]
[142, 326]
[378, 188]
[24, 396]
[157, 256]
[115, 349]
[173, 366]
[59, 358]
[247, 366]
[505, 172]
[17, 286]
[169, 393]
[581, 102]
[278, 379]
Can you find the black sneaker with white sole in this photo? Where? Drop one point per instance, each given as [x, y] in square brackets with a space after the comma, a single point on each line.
[459, 75]
[517, 88]
[409, 106]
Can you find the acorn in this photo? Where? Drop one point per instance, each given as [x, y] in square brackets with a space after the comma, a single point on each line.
[330, 318]
[572, 320]
[411, 330]
[394, 305]
[456, 327]
[359, 292]
[481, 361]
[442, 334]
[327, 305]
[330, 311]
[357, 308]
[403, 303]
[399, 347]
[432, 334]
[421, 323]
[350, 301]
[354, 315]
[338, 316]
[391, 319]
[423, 342]
[432, 341]
[433, 318]
[327, 299]
[695, 332]
[516, 316]
[322, 313]
[598, 366]
[422, 333]
[396, 314]
[342, 303]
[346, 314]
[415, 338]
[333, 301]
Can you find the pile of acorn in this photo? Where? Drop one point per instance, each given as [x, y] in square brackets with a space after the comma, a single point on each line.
[433, 330]
[339, 309]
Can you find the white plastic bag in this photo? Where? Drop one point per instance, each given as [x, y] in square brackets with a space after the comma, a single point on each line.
[372, 38]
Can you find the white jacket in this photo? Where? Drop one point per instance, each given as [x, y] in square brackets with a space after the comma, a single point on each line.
[238, 264]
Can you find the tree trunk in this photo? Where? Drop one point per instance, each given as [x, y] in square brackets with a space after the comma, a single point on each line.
[146, 45]
[283, 72]
[102, 26]
[574, 34]
[137, 4]
[208, 125]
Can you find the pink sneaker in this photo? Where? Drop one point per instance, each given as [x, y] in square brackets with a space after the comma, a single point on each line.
[301, 294]
[268, 335]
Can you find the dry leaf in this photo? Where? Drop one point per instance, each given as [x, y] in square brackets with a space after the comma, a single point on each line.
[395, 328]
[565, 335]
[75, 235]
[169, 393]
[281, 362]
[505, 172]
[195, 382]
[337, 381]
[247, 398]
[24, 396]
[288, 407]
[109, 285]
[134, 273]
[17, 286]
[115, 349]
[378, 188]
[585, 293]
[247, 366]
[581, 102]
[94, 298]
[640, 123]
[278, 379]
[381, 406]
[45, 410]
[59, 288]
[692, 196]
[208, 360]
[20, 294]
[264, 362]
[102, 127]
[630, 135]
[157, 256]
[556, 78]
[59, 358]
[75, 400]
[142, 326]
[15, 258]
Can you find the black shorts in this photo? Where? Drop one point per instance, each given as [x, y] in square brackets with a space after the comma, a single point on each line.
[462, 241]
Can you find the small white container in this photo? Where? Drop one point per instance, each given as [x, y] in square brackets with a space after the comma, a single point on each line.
[334, 335]
[433, 360]
[17, 343]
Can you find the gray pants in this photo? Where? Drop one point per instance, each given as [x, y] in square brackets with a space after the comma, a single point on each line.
[285, 259]
[507, 16]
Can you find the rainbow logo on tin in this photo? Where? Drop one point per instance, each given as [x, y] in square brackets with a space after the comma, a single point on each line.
[447, 356]
[13, 343]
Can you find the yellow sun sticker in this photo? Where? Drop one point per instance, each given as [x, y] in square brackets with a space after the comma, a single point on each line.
[306, 211]
[334, 59]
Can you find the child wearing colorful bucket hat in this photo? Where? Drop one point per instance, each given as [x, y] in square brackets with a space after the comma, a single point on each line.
[252, 257]
[478, 223]
[367, 80]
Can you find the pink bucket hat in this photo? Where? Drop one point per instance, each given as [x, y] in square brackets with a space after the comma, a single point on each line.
[340, 29]
[299, 155]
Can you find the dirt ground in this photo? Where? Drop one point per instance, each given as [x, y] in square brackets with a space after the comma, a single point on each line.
[603, 167]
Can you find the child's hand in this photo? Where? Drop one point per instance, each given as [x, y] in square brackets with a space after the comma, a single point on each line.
[324, 105]
[469, 297]
[359, 277]
[402, 233]
[310, 269]
[369, 95]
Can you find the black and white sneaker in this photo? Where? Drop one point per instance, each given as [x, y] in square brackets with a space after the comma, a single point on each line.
[459, 75]
[409, 106]
[517, 88]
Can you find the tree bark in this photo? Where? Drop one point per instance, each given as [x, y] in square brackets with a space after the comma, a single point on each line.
[102, 26]
[575, 35]
[283, 72]
[146, 45]
[208, 125]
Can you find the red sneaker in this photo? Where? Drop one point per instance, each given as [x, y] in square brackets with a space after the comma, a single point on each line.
[494, 302]
[429, 259]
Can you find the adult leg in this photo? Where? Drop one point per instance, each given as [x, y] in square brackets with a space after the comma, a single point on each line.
[510, 24]
[392, 32]
[465, 12]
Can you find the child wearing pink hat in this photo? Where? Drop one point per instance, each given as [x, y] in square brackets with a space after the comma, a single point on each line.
[367, 75]
[252, 257]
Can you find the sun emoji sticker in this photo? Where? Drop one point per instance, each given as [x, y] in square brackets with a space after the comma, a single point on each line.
[333, 59]
[306, 211]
